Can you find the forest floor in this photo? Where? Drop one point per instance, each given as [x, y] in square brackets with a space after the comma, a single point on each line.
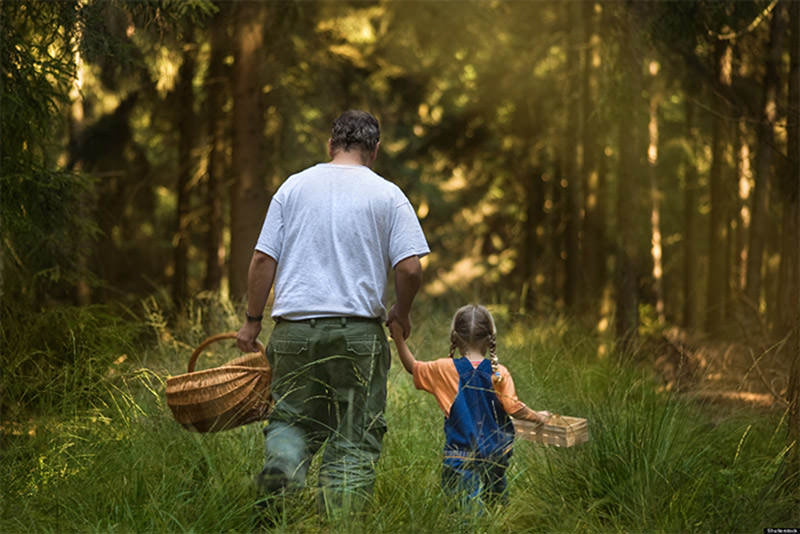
[728, 375]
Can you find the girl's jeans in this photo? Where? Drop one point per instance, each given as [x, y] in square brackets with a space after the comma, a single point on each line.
[474, 483]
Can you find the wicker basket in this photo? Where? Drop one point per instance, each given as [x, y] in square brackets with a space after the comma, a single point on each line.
[559, 431]
[224, 397]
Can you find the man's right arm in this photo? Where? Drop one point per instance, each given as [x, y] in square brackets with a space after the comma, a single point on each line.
[259, 283]
[407, 281]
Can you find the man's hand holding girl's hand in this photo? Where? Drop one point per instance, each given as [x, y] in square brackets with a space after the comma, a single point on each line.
[400, 319]
[396, 330]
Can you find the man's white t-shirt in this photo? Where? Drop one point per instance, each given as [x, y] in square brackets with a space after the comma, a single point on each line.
[335, 231]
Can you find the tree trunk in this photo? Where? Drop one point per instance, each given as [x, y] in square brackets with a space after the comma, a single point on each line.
[718, 223]
[534, 218]
[555, 216]
[690, 222]
[628, 193]
[656, 249]
[791, 239]
[604, 242]
[573, 160]
[185, 97]
[743, 205]
[75, 125]
[248, 195]
[730, 253]
[787, 294]
[217, 164]
[593, 243]
[764, 157]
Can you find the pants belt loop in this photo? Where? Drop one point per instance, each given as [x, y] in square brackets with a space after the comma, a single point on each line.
[343, 320]
[313, 323]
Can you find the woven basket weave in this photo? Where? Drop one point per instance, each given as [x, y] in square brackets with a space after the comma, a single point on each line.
[224, 397]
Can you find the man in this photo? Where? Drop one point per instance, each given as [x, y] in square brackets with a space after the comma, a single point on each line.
[331, 234]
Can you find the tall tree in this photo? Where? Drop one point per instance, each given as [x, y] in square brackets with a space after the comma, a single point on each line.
[186, 137]
[248, 196]
[689, 316]
[593, 243]
[555, 228]
[718, 224]
[789, 185]
[628, 188]
[573, 154]
[765, 131]
[216, 93]
[743, 203]
[791, 239]
[656, 249]
[75, 127]
[531, 247]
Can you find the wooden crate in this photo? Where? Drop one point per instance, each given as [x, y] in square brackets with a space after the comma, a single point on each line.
[559, 431]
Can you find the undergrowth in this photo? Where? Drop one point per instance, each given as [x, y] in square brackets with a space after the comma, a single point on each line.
[98, 450]
[61, 356]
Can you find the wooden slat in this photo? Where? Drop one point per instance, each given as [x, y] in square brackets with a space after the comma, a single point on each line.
[560, 431]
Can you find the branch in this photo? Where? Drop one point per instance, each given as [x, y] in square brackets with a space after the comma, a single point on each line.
[752, 26]
[780, 398]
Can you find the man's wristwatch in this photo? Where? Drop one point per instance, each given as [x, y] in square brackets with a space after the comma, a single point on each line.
[253, 318]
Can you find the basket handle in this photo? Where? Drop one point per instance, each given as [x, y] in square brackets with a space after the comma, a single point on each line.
[208, 341]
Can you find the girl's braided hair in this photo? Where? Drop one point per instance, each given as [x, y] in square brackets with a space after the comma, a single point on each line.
[473, 326]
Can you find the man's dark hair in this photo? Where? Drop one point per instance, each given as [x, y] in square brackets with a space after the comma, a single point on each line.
[355, 129]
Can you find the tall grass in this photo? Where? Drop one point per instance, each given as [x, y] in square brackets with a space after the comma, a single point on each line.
[59, 355]
[654, 463]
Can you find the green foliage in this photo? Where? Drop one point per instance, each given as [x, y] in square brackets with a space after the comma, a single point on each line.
[48, 222]
[42, 230]
[128, 468]
[654, 463]
[663, 466]
[61, 359]
[37, 68]
[203, 315]
[39, 204]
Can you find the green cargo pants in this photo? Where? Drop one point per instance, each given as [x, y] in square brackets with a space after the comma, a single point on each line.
[329, 387]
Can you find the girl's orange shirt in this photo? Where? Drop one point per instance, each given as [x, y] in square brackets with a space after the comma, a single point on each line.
[440, 378]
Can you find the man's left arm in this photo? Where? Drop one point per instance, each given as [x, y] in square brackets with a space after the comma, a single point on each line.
[407, 244]
[407, 281]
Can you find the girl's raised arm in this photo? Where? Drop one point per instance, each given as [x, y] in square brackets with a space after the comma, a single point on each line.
[403, 351]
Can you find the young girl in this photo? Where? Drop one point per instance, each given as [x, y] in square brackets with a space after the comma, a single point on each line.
[476, 395]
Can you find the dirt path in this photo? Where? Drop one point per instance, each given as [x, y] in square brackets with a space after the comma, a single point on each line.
[729, 373]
